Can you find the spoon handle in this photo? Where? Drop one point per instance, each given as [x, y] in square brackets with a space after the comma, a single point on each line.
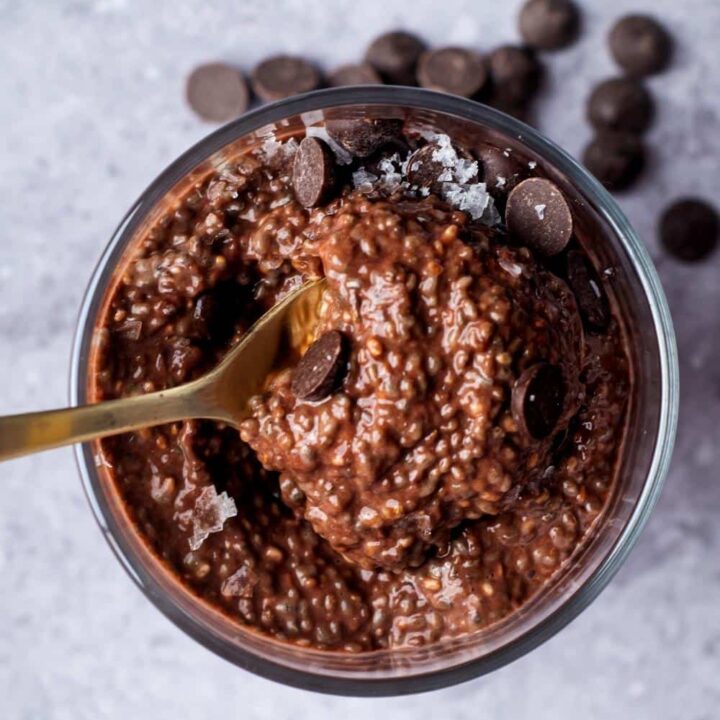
[36, 431]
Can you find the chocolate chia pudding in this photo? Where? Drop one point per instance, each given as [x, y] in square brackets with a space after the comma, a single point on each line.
[450, 441]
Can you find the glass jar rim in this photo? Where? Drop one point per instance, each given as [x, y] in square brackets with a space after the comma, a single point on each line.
[607, 208]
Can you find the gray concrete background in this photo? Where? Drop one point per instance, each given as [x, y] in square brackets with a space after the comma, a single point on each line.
[90, 111]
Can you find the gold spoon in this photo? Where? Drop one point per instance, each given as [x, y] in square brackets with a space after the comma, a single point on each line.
[222, 394]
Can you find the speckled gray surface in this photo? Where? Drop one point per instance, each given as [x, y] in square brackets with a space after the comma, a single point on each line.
[90, 111]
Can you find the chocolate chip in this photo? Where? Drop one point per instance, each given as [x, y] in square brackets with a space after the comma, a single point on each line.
[689, 229]
[452, 70]
[354, 74]
[395, 55]
[373, 162]
[588, 290]
[620, 104]
[422, 169]
[205, 315]
[615, 159]
[538, 398]
[362, 136]
[313, 175]
[640, 45]
[426, 171]
[538, 215]
[217, 92]
[320, 369]
[549, 24]
[501, 171]
[282, 76]
[515, 74]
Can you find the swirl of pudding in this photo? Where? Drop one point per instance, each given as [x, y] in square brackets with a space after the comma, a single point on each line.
[447, 364]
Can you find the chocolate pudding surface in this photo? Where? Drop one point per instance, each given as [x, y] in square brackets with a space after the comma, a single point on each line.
[464, 442]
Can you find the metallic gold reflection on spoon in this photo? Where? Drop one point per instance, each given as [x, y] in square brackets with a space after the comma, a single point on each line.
[284, 332]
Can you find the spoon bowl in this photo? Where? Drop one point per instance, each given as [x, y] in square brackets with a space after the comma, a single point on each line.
[222, 394]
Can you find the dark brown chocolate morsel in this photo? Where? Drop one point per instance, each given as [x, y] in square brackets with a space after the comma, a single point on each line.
[501, 171]
[313, 176]
[321, 368]
[396, 149]
[588, 290]
[362, 136]
[425, 170]
[217, 92]
[549, 24]
[640, 45]
[422, 170]
[205, 315]
[538, 398]
[395, 55]
[620, 104]
[354, 74]
[281, 76]
[515, 74]
[452, 70]
[615, 159]
[538, 215]
[689, 229]
[216, 310]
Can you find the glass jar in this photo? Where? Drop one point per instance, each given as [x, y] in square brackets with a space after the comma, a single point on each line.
[645, 454]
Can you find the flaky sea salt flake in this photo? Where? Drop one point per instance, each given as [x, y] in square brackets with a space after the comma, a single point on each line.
[472, 199]
[444, 153]
[240, 584]
[391, 178]
[209, 514]
[465, 170]
[540, 211]
[362, 179]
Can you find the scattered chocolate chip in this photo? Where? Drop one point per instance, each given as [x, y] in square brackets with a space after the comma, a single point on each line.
[320, 369]
[217, 92]
[515, 74]
[452, 70]
[395, 55]
[538, 398]
[354, 74]
[549, 24]
[689, 229]
[501, 171]
[282, 76]
[640, 45]
[620, 104]
[588, 290]
[313, 175]
[362, 136]
[538, 215]
[615, 159]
